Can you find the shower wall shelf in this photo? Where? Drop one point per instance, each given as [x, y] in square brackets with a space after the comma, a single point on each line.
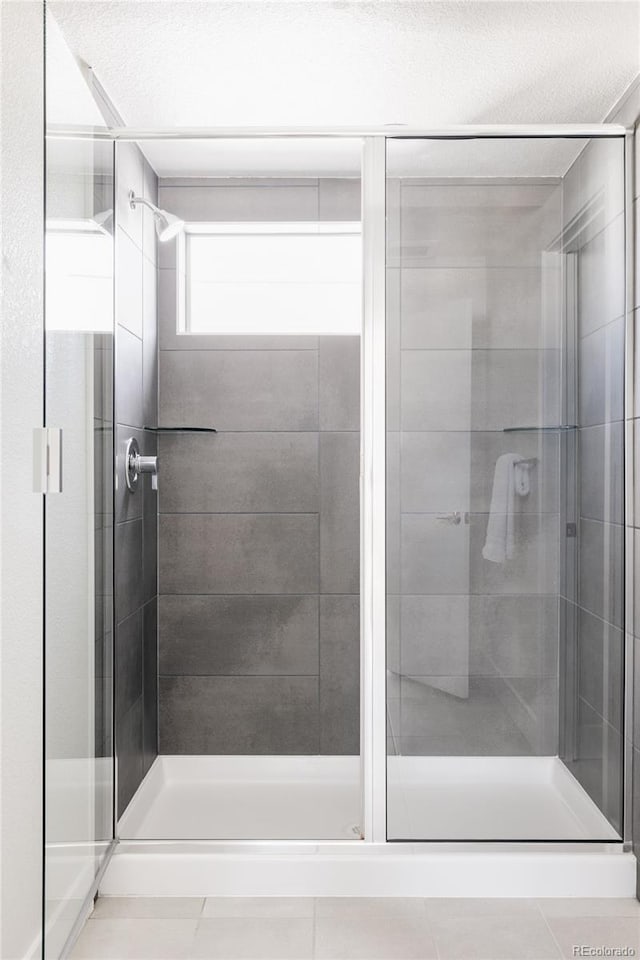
[560, 428]
[181, 429]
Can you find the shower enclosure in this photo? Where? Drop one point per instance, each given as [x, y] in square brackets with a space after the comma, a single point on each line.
[379, 592]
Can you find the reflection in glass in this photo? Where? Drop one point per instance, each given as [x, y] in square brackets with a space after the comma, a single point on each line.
[504, 453]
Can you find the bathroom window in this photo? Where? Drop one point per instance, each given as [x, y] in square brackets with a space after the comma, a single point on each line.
[271, 278]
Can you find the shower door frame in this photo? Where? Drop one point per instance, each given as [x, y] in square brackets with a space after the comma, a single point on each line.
[373, 752]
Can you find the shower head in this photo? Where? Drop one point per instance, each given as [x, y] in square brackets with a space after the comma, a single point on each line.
[168, 226]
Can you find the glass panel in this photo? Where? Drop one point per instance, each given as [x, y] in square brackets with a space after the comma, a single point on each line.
[78, 527]
[505, 280]
[258, 545]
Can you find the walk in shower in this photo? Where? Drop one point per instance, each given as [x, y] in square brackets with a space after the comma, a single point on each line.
[375, 591]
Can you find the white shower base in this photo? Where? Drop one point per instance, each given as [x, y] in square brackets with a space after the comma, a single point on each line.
[232, 826]
[318, 798]
[246, 798]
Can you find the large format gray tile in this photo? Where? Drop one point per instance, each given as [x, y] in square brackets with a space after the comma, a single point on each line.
[150, 682]
[339, 198]
[239, 472]
[340, 675]
[458, 908]
[239, 715]
[149, 344]
[135, 939]
[513, 388]
[458, 308]
[129, 176]
[601, 582]
[601, 473]
[601, 288]
[434, 636]
[514, 636]
[254, 938]
[601, 381]
[339, 383]
[434, 555]
[150, 242]
[370, 907]
[129, 754]
[128, 661]
[282, 907]
[379, 938]
[147, 908]
[600, 665]
[590, 907]
[239, 390]
[598, 762]
[478, 225]
[434, 722]
[435, 471]
[129, 406]
[339, 513]
[603, 933]
[128, 276]
[129, 584]
[149, 447]
[238, 635]
[436, 389]
[241, 203]
[243, 553]
[494, 938]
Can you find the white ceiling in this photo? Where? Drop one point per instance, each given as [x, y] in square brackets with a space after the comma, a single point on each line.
[297, 63]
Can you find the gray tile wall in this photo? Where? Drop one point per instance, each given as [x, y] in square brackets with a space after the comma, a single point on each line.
[592, 592]
[473, 348]
[136, 657]
[259, 523]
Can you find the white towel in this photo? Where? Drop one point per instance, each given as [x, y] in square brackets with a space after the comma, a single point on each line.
[498, 545]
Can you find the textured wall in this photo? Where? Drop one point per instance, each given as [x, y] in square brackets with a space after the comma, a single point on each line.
[473, 337]
[136, 514]
[259, 524]
[21, 343]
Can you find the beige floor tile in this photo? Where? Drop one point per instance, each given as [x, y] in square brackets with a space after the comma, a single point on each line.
[148, 908]
[495, 938]
[370, 907]
[578, 907]
[253, 938]
[258, 907]
[595, 932]
[135, 940]
[451, 908]
[373, 938]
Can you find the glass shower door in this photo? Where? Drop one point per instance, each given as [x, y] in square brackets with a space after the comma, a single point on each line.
[78, 527]
[485, 324]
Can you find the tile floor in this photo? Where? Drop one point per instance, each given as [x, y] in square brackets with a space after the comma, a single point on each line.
[337, 929]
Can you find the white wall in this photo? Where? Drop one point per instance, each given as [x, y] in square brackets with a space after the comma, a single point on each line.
[21, 203]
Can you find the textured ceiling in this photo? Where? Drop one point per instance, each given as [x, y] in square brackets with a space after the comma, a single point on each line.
[192, 63]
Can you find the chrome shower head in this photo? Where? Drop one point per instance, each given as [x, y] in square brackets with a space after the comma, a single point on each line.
[168, 226]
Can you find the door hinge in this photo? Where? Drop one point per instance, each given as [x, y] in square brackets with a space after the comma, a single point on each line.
[47, 460]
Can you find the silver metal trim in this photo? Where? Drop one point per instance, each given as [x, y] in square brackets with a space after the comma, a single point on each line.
[629, 484]
[457, 132]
